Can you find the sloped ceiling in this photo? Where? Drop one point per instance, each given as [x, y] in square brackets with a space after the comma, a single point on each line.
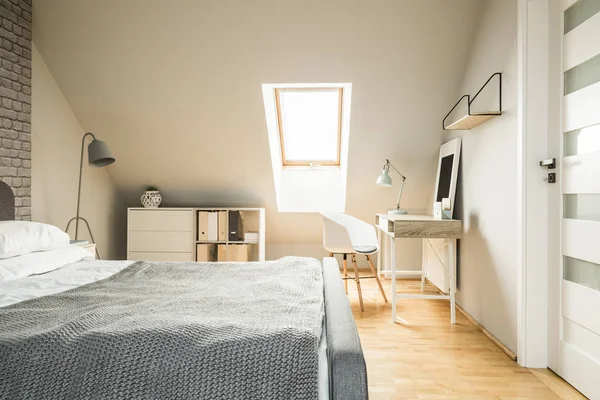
[174, 88]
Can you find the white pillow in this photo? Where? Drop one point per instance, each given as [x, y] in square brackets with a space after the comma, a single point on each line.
[40, 262]
[24, 237]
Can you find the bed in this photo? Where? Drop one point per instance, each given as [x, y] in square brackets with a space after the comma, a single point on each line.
[121, 329]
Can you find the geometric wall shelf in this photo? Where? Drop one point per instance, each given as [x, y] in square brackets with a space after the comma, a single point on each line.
[473, 119]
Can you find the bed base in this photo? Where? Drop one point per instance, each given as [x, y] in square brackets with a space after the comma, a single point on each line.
[345, 359]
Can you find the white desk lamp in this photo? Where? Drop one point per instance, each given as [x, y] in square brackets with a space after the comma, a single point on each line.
[384, 180]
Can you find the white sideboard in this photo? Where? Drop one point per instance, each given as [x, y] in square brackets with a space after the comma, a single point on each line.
[172, 234]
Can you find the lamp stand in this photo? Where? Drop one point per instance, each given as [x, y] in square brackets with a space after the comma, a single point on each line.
[76, 218]
[397, 210]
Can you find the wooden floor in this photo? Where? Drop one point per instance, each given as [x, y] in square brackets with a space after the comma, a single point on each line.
[431, 359]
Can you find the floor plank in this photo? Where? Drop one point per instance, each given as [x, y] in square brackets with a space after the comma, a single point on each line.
[557, 384]
[428, 358]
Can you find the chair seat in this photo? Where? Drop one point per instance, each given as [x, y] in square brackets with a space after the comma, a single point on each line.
[365, 249]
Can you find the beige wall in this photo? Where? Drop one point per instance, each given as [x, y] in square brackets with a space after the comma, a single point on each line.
[56, 146]
[487, 189]
[176, 92]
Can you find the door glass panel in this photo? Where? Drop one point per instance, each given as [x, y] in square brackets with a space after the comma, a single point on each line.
[579, 13]
[582, 206]
[585, 74]
[582, 141]
[582, 272]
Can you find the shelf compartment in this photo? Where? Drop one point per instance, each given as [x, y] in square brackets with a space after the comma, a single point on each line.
[224, 242]
[473, 119]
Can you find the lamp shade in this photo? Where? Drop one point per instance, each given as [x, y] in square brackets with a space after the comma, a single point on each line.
[384, 179]
[98, 154]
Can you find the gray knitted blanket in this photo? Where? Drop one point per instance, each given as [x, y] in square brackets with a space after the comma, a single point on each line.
[170, 331]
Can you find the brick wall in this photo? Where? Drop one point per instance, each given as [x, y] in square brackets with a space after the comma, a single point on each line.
[15, 107]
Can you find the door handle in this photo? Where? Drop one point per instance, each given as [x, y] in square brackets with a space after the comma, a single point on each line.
[550, 163]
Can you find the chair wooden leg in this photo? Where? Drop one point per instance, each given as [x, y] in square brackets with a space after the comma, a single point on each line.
[357, 277]
[345, 264]
[377, 278]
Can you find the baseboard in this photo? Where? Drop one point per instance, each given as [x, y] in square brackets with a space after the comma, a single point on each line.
[403, 275]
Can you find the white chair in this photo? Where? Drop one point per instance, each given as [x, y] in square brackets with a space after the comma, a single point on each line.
[349, 236]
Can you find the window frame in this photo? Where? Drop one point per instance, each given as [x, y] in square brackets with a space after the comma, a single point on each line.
[310, 163]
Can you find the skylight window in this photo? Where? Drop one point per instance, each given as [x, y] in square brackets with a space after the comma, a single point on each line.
[310, 125]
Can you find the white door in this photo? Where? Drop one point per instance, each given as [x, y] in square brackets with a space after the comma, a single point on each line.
[579, 325]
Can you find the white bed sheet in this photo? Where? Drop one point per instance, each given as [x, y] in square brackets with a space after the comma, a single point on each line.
[87, 271]
[68, 277]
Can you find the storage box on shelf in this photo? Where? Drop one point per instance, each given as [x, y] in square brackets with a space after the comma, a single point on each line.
[196, 234]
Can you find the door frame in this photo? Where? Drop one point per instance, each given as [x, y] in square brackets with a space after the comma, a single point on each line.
[555, 198]
[540, 91]
[539, 110]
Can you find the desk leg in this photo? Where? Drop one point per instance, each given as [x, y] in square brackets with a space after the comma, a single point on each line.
[452, 270]
[380, 253]
[424, 261]
[393, 276]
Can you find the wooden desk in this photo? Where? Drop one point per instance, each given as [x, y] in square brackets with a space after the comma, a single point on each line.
[420, 226]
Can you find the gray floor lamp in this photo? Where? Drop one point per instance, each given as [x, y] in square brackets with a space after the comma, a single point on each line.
[98, 156]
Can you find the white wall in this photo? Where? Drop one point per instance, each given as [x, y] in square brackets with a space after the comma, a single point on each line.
[56, 147]
[487, 190]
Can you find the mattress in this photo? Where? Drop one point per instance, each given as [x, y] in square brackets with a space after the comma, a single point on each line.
[87, 271]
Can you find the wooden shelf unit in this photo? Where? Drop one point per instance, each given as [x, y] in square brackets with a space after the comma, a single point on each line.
[171, 233]
[253, 221]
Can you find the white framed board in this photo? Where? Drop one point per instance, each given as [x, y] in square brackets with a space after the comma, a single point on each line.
[447, 172]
